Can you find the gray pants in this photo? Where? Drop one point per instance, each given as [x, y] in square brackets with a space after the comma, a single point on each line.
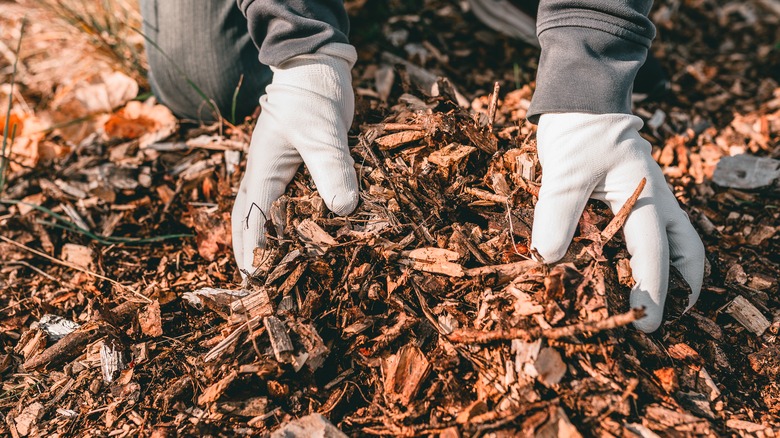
[200, 49]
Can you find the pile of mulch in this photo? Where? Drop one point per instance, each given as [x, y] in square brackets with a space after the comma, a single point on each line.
[422, 313]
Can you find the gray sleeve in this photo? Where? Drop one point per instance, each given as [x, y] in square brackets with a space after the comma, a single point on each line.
[282, 29]
[591, 52]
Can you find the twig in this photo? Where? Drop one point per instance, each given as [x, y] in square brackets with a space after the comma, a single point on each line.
[473, 336]
[486, 196]
[75, 267]
[491, 115]
[509, 269]
[73, 342]
[620, 218]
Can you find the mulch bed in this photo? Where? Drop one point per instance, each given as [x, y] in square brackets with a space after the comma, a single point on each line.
[421, 313]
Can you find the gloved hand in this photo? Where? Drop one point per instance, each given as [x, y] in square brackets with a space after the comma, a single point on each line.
[306, 113]
[602, 156]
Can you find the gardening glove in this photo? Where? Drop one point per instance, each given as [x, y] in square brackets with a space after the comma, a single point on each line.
[602, 156]
[306, 113]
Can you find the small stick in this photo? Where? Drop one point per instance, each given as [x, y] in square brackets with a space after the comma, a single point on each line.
[509, 269]
[473, 336]
[491, 115]
[621, 216]
[486, 196]
[74, 267]
[73, 342]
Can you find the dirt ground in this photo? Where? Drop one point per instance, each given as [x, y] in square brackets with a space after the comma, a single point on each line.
[421, 314]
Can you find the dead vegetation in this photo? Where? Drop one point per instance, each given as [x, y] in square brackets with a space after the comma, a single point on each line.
[420, 314]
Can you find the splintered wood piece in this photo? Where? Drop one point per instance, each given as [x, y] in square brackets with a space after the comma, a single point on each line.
[472, 336]
[112, 360]
[433, 260]
[746, 314]
[526, 167]
[398, 139]
[313, 235]
[215, 391]
[620, 218]
[450, 155]
[404, 373]
[291, 279]
[280, 340]
[315, 347]
[257, 303]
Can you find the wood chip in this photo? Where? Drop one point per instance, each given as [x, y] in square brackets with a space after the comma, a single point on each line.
[215, 391]
[280, 340]
[450, 155]
[314, 425]
[79, 255]
[150, 320]
[550, 367]
[257, 303]
[398, 139]
[404, 373]
[434, 260]
[748, 315]
[315, 237]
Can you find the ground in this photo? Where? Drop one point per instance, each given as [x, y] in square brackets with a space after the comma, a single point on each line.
[419, 314]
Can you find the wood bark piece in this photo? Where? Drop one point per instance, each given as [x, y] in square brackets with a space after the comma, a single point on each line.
[150, 320]
[507, 270]
[25, 422]
[450, 155]
[73, 344]
[748, 315]
[251, 407]
[558, 426]
[316, 351]
[280, 340]
[112, 361]
[746, 172]
[215, 391]
[404, 373]
[314, 425]
[398, 139]
[465, 336]
[550, 366]
[315, 237]
[257, 303]
[434, 260]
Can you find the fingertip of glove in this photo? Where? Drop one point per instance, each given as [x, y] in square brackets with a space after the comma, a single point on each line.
[548, 252]
[344, 203]
[649, 323]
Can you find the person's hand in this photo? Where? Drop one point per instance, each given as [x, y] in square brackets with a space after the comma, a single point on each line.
[306, 113]
[604, 157]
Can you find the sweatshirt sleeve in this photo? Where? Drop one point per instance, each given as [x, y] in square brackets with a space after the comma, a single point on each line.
[591, 52]
[282, 29]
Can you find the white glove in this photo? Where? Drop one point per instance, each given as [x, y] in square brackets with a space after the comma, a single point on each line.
[306, 113]
[602, 156]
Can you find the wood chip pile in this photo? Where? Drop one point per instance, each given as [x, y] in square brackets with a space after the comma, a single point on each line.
[422, 313]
